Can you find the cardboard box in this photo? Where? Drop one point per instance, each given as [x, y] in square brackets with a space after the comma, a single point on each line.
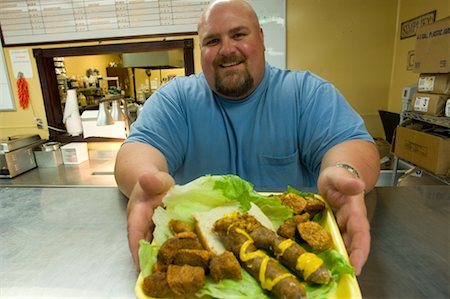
[447, 108]
[430, 104]
[434, 83]
[75, 153]
[425, 150]
[432, 51]
[386, 156]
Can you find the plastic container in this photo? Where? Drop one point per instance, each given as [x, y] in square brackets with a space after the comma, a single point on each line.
[75, 153]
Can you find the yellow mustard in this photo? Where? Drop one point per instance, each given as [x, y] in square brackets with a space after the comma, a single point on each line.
[266, 284]
[283, 246]
[308, 263]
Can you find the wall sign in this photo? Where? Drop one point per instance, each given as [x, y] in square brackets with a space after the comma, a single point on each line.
[409, 28]
[38, 21]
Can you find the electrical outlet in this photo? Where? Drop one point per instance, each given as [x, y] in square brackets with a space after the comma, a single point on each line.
[38, 122]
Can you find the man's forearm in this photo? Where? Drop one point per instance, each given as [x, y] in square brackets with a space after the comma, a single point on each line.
[362, 155]
[128, 169]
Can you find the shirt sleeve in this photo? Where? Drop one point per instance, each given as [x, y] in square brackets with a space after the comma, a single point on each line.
[326, 119]
[162, 124]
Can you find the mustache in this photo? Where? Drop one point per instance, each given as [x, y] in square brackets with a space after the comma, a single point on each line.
[229, 59]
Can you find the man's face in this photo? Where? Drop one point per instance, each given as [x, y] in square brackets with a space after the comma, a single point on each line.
[232, 50]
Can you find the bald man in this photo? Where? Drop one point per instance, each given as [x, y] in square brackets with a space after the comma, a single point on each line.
[241, 116]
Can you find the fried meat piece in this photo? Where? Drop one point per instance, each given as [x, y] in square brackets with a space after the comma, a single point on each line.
[179, 226]
[314, 234]
[294, 201]
[185, 280]
[288, 229]
[170, 248]
[186, 235]
[243, 221]
[301, 218]
[155, 285]
[225, 266]
[313, 205]
[159, 266]
[192, 257]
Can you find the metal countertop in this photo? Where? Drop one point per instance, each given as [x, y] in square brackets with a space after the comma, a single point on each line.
[72, 242]
[90, 173]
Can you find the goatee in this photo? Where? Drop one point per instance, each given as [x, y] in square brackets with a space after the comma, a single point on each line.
[235, 83]
[234, 88]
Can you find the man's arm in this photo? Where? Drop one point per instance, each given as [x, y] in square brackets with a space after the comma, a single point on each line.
[362, 155]
[135, 159]
[344, 190]
[141, 173]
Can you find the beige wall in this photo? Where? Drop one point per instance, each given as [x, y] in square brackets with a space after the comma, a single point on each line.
[22, 121]
[400, 76]
[78, 65]
[349, 43]
[354, 44]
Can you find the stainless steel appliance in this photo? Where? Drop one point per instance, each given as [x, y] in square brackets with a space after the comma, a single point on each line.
[16, 154]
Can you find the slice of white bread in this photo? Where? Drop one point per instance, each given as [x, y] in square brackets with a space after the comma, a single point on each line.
[204, 222]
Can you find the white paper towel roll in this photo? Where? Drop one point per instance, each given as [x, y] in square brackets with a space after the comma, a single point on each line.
[72, 118]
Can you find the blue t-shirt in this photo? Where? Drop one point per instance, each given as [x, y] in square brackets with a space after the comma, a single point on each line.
[275, 137]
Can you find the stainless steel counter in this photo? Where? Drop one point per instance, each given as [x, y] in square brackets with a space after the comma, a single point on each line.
[64, 242]
[410, 229]
[91, 173]
[71, 242]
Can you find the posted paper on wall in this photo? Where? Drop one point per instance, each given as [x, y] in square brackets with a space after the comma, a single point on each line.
[20, 60]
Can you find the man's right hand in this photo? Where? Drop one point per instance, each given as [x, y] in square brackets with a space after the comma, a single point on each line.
[147, 194]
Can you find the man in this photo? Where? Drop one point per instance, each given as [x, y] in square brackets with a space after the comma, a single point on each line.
[272, 127]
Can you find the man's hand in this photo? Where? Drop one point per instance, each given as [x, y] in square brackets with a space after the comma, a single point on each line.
[345, 195]
[147, 194]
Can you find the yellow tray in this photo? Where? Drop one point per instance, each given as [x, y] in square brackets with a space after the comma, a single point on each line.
[347, 286]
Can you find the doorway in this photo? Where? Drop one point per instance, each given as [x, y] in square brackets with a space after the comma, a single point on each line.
[49, 85]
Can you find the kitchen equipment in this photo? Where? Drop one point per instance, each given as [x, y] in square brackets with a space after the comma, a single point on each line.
[48, 154]
[16, 154]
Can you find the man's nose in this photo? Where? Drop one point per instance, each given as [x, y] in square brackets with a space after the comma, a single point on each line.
[228, 47]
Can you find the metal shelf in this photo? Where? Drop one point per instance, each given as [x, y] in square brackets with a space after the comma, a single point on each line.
[434, 120]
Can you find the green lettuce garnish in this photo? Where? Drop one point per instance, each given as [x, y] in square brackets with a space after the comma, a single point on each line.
[147, 257]
[208, 192]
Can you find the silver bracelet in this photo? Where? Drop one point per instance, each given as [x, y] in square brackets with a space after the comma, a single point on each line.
[350, 169]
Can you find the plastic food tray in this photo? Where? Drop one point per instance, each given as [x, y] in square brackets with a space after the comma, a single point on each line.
[347, 286]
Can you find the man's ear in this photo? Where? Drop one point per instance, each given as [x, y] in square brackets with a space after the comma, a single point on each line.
[261, 33]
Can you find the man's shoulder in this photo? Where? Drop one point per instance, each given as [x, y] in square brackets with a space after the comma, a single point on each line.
[186, 82]
[184, 86]
[300, 75]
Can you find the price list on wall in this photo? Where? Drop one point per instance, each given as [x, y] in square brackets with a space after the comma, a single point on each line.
[38, 21]
[44, 21]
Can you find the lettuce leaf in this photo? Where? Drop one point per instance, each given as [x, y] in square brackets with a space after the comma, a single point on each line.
[248, 287]
[147, 257]
[208, 192]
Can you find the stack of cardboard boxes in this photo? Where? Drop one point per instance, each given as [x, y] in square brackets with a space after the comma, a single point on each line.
[425, 145]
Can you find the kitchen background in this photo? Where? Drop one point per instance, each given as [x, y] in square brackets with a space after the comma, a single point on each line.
[355, 44]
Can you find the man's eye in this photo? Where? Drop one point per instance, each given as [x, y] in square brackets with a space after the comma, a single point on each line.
[238, 35]
[212, 42]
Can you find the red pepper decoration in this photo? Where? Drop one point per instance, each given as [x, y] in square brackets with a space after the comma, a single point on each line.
[22, 89]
